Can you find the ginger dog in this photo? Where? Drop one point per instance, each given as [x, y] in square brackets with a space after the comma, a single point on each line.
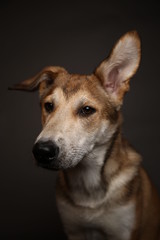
[102, 190]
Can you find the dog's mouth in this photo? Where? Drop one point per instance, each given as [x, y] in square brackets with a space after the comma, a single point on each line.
[49, 166]
[57, 164]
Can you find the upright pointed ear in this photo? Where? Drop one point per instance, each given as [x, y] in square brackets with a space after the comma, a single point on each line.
[116, 71]
[47, 75]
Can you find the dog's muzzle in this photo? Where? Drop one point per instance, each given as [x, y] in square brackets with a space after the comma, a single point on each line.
[46, 153]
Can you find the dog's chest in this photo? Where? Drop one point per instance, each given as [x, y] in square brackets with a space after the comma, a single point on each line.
[116, 223]
[119, 222]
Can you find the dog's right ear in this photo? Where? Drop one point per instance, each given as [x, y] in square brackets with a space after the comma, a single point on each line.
[47, 75]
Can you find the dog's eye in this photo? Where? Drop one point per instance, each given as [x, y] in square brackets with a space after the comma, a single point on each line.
[86, 111]
[49, 107]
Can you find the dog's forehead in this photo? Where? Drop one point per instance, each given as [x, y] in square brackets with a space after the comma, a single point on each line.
[71, 84]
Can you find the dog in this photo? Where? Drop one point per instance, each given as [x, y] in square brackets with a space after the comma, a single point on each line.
[102, 191]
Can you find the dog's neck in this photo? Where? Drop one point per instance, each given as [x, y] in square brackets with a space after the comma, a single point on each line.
[87, 181]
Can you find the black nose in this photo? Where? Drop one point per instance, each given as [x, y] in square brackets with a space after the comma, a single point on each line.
[45, 152]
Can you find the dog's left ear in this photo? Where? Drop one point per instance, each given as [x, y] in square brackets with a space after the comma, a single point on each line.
[116, 71]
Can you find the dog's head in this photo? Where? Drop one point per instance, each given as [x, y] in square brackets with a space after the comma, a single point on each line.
[81, 112]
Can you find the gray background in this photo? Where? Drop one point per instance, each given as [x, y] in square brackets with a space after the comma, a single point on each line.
[75, 35]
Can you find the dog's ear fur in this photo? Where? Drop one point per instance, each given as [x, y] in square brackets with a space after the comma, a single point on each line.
[47, 75]
[116, 71]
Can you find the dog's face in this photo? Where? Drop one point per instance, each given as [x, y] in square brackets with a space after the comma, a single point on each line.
[81, 112]
[77, 116]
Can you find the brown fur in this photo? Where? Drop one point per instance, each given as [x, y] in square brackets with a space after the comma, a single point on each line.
[102, 190]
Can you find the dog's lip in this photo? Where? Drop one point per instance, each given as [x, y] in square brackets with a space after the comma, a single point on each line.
[48, 166]
[53, 166]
